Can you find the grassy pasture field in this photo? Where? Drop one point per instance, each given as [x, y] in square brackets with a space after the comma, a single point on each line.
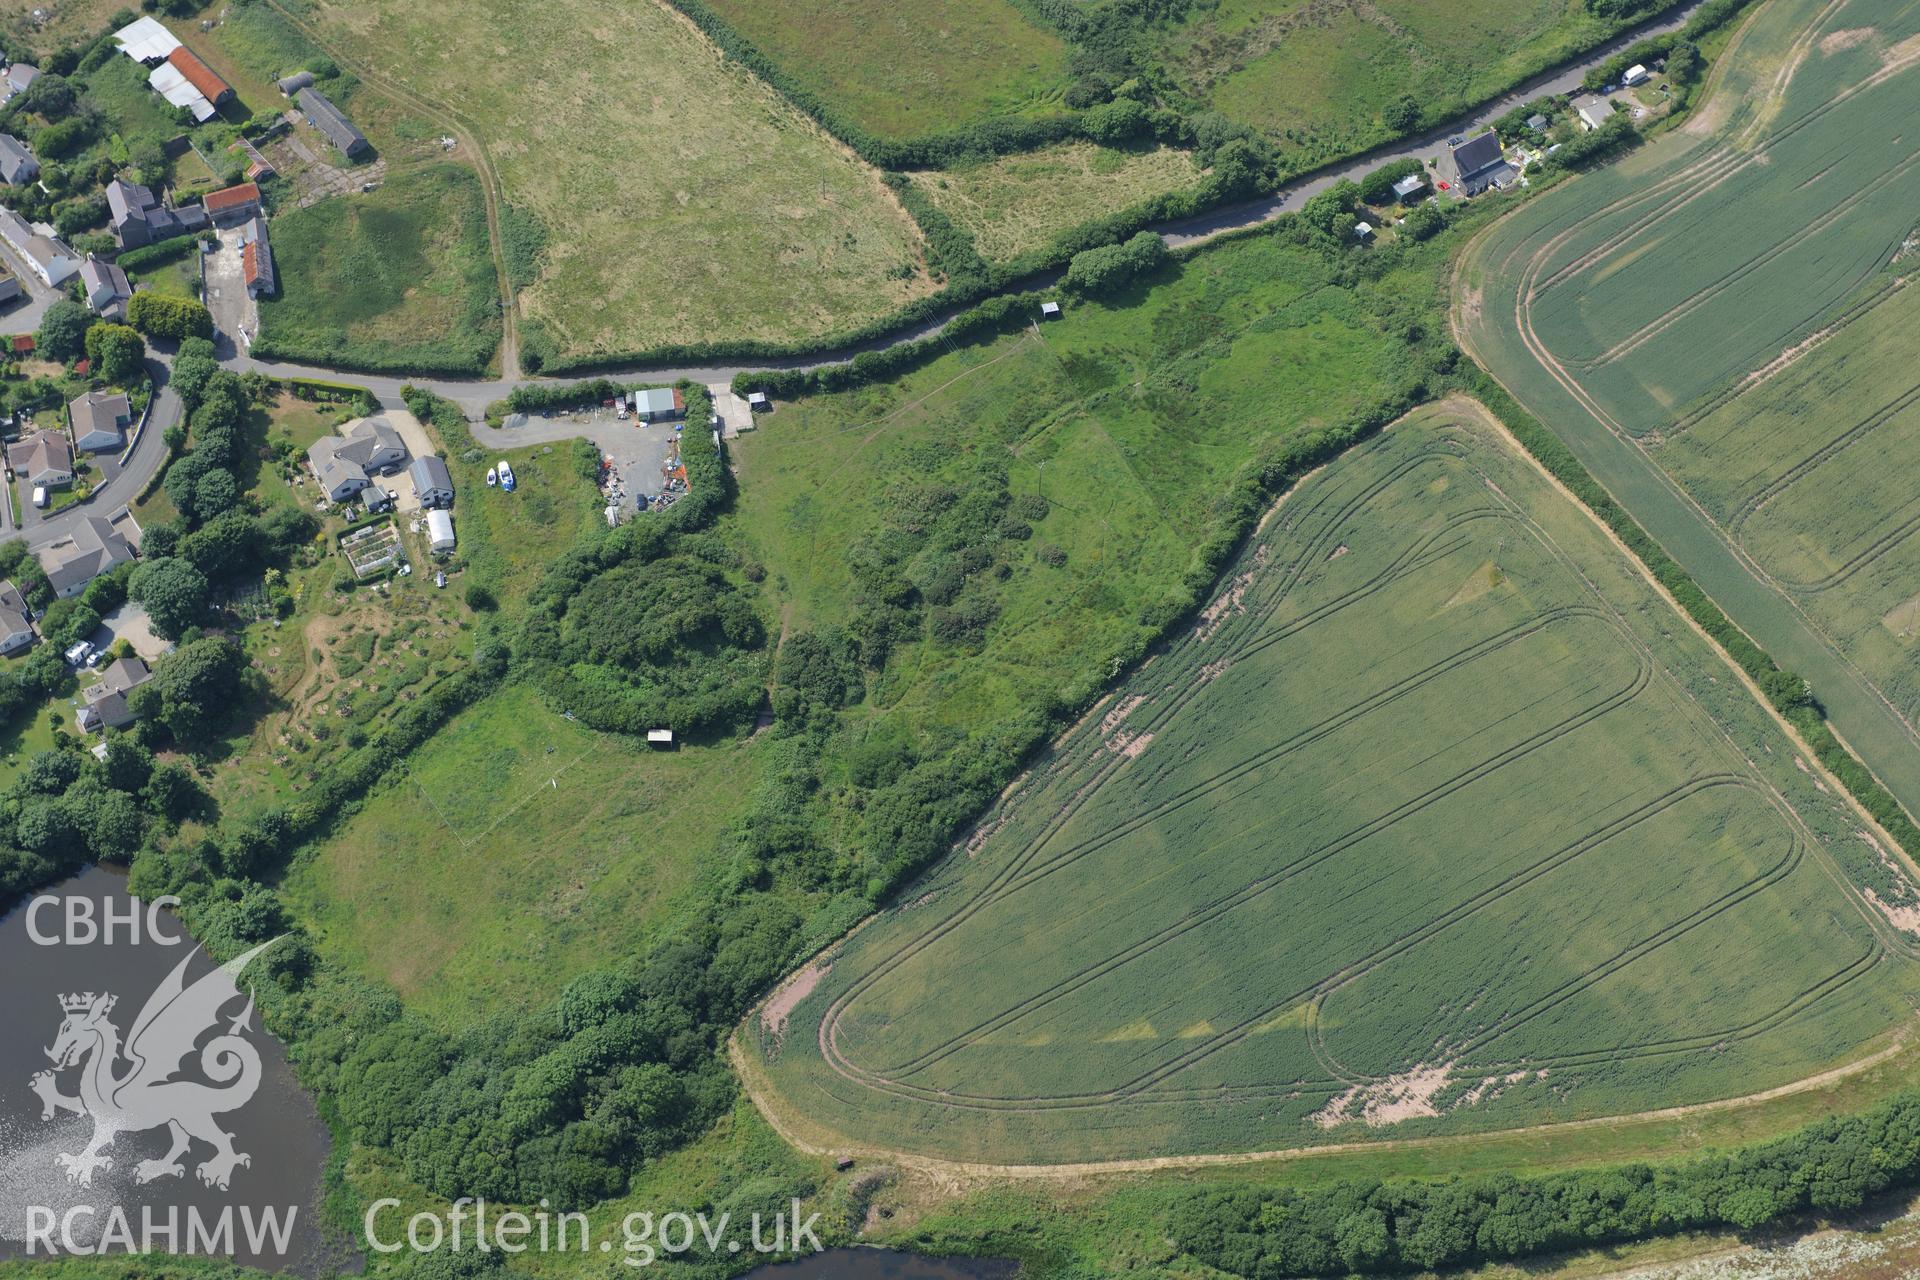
[1014, 204]
[1501, 842]
[900, 71]
[1127, 416]
[1730, 306]
[400, 274]
[427, 887]
[1319, 75]
[681, 199]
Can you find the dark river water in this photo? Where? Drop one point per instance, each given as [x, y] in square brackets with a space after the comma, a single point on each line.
[269, 1210]
[884, 1264]
[276, 1126]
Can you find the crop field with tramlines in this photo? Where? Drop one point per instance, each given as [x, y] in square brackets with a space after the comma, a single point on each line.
[1737, 308]
[1438, 818]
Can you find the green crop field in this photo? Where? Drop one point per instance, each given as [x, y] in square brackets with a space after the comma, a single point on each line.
[402, 274]
[1014, 204]
[1319, 75]
[679, 199]
[899, 71]
[1438, 818]
[428, 887]
[1730, 306]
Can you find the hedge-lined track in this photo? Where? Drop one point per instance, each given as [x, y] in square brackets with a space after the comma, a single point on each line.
[1093, 907]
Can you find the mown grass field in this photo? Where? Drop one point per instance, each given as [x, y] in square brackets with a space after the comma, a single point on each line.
[1385, 844]
[517, 849]
[1730, 306]
[402, 274]
[1319, 75]
[900, 71]
[1015, 204]
[681, 199]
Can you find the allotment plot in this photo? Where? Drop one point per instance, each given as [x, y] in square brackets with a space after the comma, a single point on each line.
[1438, 818]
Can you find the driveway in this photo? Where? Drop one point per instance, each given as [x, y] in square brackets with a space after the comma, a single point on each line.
[120, 491]
[234, 313]
[130, 623]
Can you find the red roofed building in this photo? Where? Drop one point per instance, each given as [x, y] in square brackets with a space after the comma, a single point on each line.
[200, 76]
[235, 204]
[23, 344]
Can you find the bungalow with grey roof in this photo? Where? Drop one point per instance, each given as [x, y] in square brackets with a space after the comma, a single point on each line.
[19, 76]
[98, 419]
[17, 165]
[107, 700]
[16, 620]
[45, 256]
[344, 464]
[105, 285]
[95, 546]
[43, 458]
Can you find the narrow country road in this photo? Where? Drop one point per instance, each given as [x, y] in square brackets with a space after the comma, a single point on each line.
[473, 395]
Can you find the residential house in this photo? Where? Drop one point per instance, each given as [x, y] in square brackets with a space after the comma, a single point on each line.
[106, 287]
[256, 258]
[1592, 110]
[16, 620]
[232, 205]
[95, 546]
[344, 464]
[17, 165]
[659, 404]
[439, 532]
[45, 256]
[138, 217]
[43, 458]
[146, 41]
[19, 76]
[98, 419]
[107, 700]
[327, 118]
[432, 482]
[1479, 164]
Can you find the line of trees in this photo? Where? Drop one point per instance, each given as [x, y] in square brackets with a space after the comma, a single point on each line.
[1833, 1166]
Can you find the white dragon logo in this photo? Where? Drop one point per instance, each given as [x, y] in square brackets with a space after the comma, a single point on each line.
[147, 1095]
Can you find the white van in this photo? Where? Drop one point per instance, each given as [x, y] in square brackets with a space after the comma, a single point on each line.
[40, 495]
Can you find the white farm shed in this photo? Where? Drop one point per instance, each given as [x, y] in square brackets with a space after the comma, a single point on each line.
[439, 532]
[145, 40]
